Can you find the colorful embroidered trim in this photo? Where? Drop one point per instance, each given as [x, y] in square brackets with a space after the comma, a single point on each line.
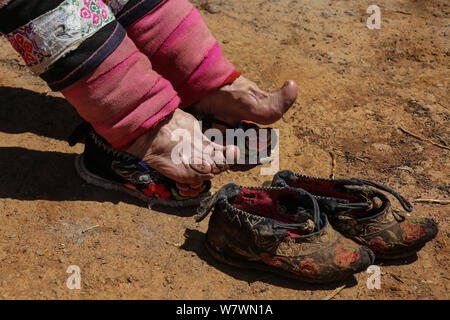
[86, 58]
[49, 37]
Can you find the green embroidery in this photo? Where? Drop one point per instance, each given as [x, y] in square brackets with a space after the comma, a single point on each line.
[415, 221]
[350, 246]
[177, 196]
[89, 18]
[94, 7]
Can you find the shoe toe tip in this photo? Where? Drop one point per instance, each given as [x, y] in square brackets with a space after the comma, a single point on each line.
[367, 258]
[431, 228]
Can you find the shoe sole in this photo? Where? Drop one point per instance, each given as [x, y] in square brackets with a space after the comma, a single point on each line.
[263, 267]
[98, 181]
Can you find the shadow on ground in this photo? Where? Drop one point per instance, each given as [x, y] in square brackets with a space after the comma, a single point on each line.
[44, 175]
[23, 110]
[397, 262]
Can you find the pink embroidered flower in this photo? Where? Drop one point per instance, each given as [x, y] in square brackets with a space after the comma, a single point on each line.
[95, 18]
[104, 14]
[347, 254]
[100, 4]
[412, 232]
[85, 13]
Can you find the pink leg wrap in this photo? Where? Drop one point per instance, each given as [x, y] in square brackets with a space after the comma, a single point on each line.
[183, 50]
[123, 98]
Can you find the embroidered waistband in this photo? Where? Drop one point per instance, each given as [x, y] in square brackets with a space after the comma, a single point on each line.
[46, 39]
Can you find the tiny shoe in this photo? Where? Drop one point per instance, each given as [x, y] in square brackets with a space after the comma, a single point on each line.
[365, 215]
[281, 230]
[103, 166]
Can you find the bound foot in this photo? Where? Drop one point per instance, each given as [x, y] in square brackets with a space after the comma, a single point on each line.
[243, 100]
[178, 149]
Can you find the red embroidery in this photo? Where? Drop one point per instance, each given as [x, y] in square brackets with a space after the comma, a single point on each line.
[23, 47]
[157, 191]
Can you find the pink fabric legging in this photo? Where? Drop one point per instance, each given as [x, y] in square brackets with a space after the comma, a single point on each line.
[182, 49]
[124, 97]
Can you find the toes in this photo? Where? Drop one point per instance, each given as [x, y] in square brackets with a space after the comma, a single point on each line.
[196, 172]
[215, 155]
[220, 161]
[232, 154]
[267, 108]
[219, 157]
[190, 176]
[203, 167]
[183, 173]
[279, 103]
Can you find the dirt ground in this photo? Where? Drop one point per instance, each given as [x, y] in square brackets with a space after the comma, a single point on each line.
[357, 87]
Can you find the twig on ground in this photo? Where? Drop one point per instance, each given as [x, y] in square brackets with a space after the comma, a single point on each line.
[424, 139]
[90, 228]
[403, 12]
[438, 201]
[395, 277]
[334, 293]
[346, 155]
[410, 170]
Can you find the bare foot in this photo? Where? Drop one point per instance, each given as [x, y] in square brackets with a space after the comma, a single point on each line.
[160, 149]
[243, 100]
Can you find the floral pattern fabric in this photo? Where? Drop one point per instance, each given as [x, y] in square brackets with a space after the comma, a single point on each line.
[44, 40]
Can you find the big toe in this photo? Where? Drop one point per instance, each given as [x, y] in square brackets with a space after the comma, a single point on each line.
[289, 93]
[202, 168]
[232, 154]
[220, 157]
[276, 104]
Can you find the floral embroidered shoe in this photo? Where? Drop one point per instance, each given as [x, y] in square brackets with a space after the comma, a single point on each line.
[365, 215]
[281, 230]
[112, 169]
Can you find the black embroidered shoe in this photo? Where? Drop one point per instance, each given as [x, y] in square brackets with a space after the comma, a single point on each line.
[103, 166]
[281, 230]
[365, 215]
